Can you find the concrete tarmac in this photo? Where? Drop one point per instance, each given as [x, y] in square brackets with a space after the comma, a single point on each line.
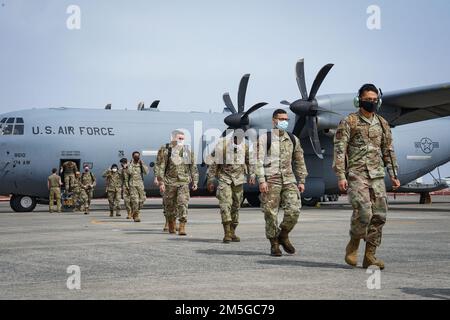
[119, 259]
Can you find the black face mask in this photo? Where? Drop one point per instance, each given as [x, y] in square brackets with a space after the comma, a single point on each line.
[368, 106]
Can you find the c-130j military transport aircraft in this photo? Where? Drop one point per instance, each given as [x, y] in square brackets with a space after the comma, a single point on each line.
[36, 140]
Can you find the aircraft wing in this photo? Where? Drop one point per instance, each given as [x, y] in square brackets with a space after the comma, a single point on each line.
[418, 104]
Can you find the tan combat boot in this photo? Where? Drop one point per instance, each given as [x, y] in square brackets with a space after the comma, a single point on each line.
[166, 225]
[136, 217]
[172, 223]
[370, 259]
[227, 232]
[275, 248]
[129, 216]
[111, 213]
[283, 239]
[182, 229]
[118, 213]
[234, 237]
[351, 252]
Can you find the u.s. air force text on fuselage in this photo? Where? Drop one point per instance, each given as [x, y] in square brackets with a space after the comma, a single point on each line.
[70, 130]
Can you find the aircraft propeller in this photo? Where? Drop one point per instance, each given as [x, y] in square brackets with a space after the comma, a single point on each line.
[239, 119]
[307, 107]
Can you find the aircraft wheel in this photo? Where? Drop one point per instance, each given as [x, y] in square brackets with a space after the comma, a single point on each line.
[22, 203]
[253, 199]
[310, 202]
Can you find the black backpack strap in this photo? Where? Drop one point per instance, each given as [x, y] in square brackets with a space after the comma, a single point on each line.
[269, 141]
[169, 154]
[294, 142]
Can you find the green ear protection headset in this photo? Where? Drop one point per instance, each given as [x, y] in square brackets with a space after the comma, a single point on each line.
[356, 100]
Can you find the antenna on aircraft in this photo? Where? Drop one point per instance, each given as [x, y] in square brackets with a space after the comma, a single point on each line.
[141, 106]
[108, 106]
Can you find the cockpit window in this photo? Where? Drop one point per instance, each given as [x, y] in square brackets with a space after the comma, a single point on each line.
[18, 129]
[12, 126]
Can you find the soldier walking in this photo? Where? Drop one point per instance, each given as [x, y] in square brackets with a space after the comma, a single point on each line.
[88, 182]
[114, 189]
[136, 171]
[126, 186]
[362, 149]
[280, 161]
[76, 189]
[176, 170]
[230, 166]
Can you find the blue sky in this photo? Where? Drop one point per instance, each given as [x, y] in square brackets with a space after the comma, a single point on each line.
[187, 53]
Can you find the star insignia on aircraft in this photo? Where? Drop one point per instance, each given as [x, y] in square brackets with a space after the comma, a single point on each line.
[426, 145]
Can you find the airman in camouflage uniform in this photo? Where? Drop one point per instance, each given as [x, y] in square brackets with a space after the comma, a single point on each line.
[362, 149]
[278, 170]
[126, 187]
[136, 172]
[88, 183]
[68, 169]
[76, 189]
[54, 186]
[113, 189]
[230, 165]
[176, 170]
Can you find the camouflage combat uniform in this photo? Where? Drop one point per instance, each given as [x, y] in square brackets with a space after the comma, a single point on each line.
[361, 151]
[76, 196]
[54, 182]
[88, 183]
[230, 166]
[136, 173]
[280, 169]
[69, 170]
[114, 190]
[177, 172]
[126, 191]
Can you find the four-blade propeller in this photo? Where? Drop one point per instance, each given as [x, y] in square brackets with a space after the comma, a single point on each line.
[307, 107]
[238, 118]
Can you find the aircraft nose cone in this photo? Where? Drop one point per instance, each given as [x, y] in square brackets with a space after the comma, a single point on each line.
[304, 107]
[233, 120]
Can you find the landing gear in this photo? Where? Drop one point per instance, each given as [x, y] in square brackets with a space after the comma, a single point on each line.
[425, 198]
[22, 203]
[253, 199]
[310, 202]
